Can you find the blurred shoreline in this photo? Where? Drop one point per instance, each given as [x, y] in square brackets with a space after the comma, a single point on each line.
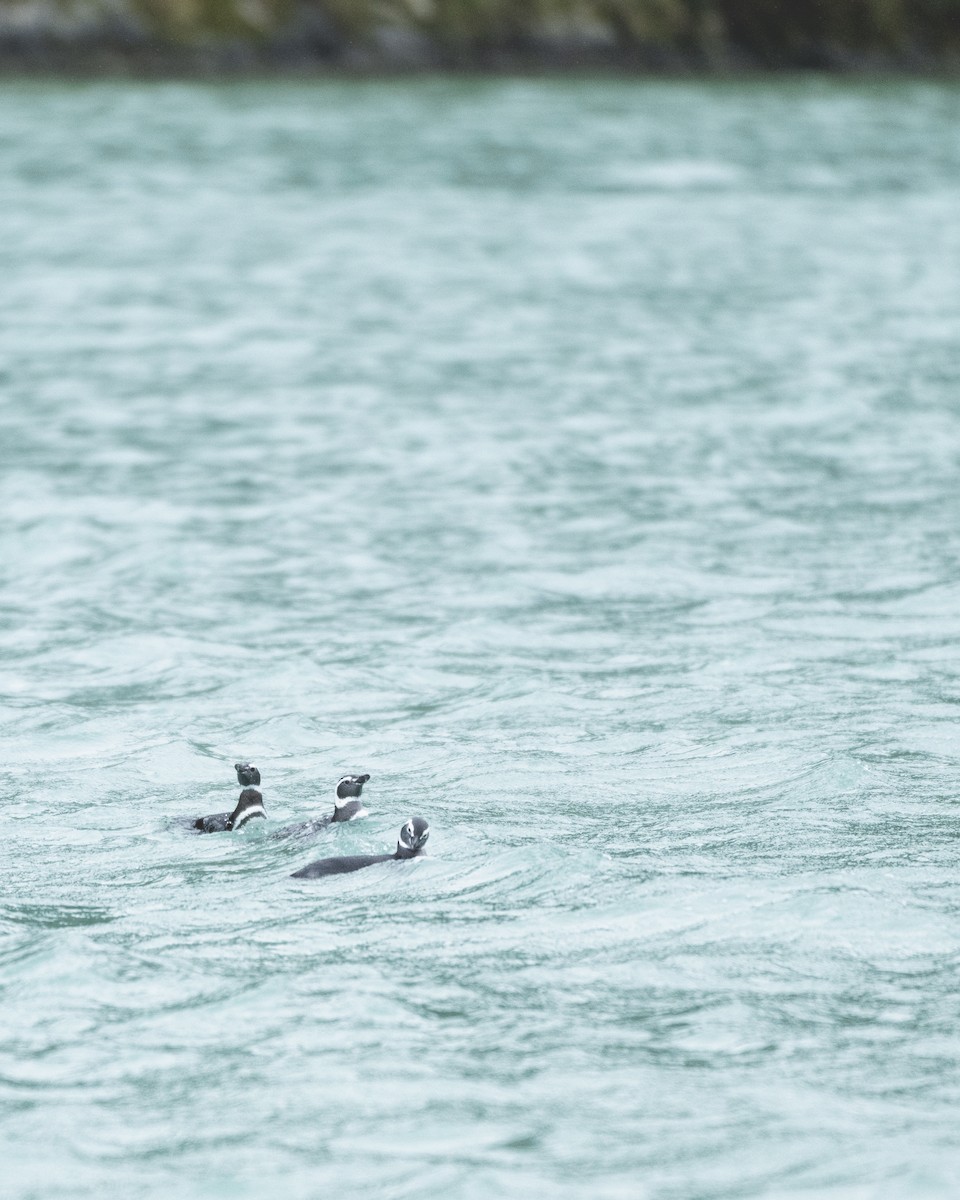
[236, 38]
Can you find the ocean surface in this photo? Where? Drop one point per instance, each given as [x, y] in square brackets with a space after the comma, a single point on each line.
[581, 459]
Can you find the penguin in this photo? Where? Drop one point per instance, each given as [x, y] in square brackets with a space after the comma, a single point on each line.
[249, 806]
[347, 806]
[412, 839]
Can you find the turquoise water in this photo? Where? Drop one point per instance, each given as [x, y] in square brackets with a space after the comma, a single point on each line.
[580, 459]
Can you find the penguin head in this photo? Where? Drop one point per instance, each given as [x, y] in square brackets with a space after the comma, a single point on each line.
[249, 805]
[349, 787]
[413, 837]
[247, 774]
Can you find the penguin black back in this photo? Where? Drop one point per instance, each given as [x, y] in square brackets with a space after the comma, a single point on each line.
[340, 866]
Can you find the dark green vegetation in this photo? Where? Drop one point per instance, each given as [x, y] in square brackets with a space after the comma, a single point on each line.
[486, 34]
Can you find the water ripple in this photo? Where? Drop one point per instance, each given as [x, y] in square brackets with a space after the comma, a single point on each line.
[577, 458]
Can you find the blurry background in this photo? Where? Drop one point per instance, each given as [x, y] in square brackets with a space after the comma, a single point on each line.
[231, 35]
[577, 456]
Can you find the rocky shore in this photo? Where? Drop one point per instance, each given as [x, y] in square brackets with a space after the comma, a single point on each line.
[214, 37]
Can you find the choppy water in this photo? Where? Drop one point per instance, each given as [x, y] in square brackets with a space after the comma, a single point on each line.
[581, 460]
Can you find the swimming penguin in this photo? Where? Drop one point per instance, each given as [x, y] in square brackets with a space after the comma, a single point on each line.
[249, 805]
[413, 836]
[347, 806]
[247, 774]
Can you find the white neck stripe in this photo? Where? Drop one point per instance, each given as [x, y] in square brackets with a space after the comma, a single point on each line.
[253, 811]
[361, 811]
